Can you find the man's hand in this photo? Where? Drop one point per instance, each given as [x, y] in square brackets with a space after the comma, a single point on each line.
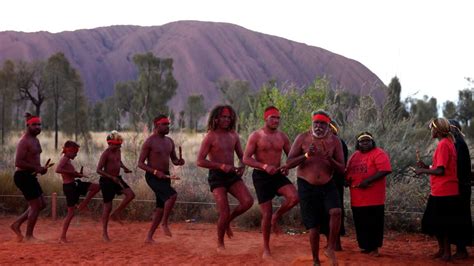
[284, 170]
[270, 169]
[239, 170]
[227, 168]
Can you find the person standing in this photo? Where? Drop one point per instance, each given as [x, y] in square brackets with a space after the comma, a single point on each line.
[220, 144]
[157, 151]
[318, 155]
[263, 152]
[463, 164]
[28, 166]
[441, 213]
[366, 173]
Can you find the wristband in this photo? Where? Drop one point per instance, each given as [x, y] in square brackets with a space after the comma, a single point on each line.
[306, 155]
[222, 167]
[265, 167]
[155, 172]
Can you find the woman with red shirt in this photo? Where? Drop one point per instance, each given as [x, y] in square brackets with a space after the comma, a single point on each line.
[365, 173]
[440, 215]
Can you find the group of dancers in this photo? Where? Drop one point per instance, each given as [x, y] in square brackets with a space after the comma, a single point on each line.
[323, 170]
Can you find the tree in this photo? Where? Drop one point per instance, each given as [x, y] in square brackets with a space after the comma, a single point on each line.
[449, 110]
[367, 109]
[424, 109]
[7, 83]
[155, 86]
[195, 109]
[96, 117]
[466, 106]
[236, 93]
[58, 75]
[31, 83]
[75, 108]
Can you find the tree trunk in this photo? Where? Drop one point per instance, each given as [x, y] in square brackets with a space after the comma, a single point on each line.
[3, 119]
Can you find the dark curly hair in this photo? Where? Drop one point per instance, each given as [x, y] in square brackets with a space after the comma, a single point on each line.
[214, 115]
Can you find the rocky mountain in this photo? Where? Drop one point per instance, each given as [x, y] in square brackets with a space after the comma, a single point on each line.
[203, 52]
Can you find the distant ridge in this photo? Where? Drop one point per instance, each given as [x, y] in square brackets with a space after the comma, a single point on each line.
[203, 53]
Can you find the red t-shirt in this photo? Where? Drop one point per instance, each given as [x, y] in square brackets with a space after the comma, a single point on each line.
[445, 155]
[361, 166]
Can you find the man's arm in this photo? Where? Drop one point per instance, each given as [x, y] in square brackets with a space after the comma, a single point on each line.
[174, 159]
[297, 156]
[240, 154]
[250, 151]
[337, 160]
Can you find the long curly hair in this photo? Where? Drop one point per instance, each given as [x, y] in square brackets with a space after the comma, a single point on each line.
[212, 122]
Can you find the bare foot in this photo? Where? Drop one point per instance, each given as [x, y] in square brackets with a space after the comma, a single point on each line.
[16, 229]
[166, 230]
[106, 238]
[32, 239]
[220, 248]
[316, 263]
[229, 232]
[149, 241]
[63, 240]
[375, 253]
[266, 254]
[331, 255]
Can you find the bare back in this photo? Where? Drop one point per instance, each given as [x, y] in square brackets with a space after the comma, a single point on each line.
[317, 169]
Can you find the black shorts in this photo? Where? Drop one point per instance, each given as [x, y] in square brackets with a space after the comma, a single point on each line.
[267, 186]
[74, 190]
[315, 200]
[161, 187]
[28, 184]
[109, 188]
[218, 178]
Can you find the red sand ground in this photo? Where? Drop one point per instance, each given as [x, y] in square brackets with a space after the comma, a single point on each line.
[194, 244]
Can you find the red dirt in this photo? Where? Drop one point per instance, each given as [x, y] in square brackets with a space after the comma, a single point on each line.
[195, 243]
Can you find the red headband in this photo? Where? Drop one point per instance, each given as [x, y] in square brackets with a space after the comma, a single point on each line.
[32, 120]
[163, 120]
[271, 112]
[321, 117]
[70, 149]
[225, 111]
[114, 141]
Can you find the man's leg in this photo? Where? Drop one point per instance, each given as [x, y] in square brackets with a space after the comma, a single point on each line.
[15, 226]
[314, 241]
[242, 194]
[105, 220]
[222, 203]
[266, 209]
[129, 196]
[93, 189]
[36, 205]
[67, 221]
[290, 200]
[334, 226]
[157, 215]
[166, 214]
